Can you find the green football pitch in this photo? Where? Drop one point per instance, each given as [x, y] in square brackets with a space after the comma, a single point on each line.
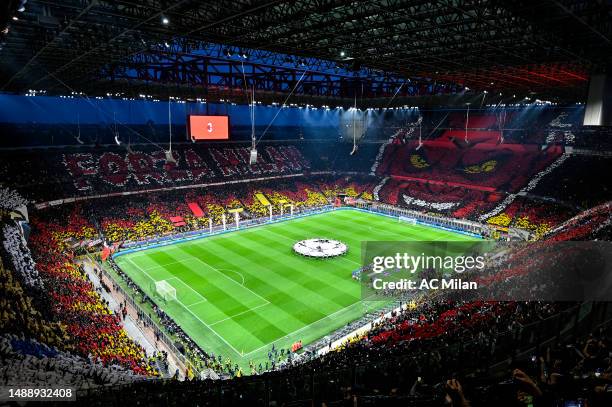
[239, 293]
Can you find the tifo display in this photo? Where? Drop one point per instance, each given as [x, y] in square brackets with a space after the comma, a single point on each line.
[306, 203]
[320, 248]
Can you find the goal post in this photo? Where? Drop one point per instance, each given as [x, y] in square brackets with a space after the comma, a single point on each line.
[166, 291]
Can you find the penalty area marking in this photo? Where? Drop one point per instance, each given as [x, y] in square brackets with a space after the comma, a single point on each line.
[232, 280]
[161, 266]
[191, 312]
[203, 299]
[191, 259]
[168, 279]
[235, 272]
[209, 326]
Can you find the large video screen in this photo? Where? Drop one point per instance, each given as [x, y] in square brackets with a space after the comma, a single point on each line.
[208, 127]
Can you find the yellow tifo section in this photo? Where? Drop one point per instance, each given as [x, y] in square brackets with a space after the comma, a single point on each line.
[262, 198]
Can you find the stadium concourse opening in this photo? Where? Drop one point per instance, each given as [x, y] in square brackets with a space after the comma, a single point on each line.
[305, 203]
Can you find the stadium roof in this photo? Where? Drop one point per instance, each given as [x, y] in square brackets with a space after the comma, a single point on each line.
[333, 50]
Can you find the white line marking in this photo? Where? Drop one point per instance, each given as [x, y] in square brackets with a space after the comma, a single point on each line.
[191, 312]
[191, 259]
[159, 266]
[187, 285]
[237, 272]
[197, 303]
[209, 327]
[232, 280]
[302, 328]
[259, 306]
[135, 265]
[240, 313]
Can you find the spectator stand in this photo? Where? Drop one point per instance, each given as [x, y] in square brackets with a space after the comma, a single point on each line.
[142, 310]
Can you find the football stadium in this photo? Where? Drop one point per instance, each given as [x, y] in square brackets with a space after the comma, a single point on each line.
[306, 203]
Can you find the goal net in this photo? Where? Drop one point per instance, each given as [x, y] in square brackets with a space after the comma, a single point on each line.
[408, 219]
[165, 290]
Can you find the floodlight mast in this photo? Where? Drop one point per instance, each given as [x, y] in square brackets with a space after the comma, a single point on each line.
[354, 136]
[253, 157]
[170, 127]
[116, 129]
[502, 123]
[420, 130]
[169, 156]
[467, 119]
[253, 119]
[78, 137]
[251, 102]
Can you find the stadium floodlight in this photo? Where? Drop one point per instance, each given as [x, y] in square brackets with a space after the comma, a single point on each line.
[420, 121]
[169, 157]
[467, 119]
[166, 291]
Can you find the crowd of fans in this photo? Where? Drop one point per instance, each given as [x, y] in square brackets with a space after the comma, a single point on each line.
[19, 254]
[11, 199]
[137, 217]
[57, 174]
[94, 330]
[27, 362]
[447, 175]
[429, 355]
[56, 328]
[19, 312]
[37, 348]
[51, 299]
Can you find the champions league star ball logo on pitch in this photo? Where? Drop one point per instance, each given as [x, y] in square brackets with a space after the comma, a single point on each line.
[320, 248]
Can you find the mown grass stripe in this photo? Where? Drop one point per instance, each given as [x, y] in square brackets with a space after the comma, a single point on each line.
[302, 292]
